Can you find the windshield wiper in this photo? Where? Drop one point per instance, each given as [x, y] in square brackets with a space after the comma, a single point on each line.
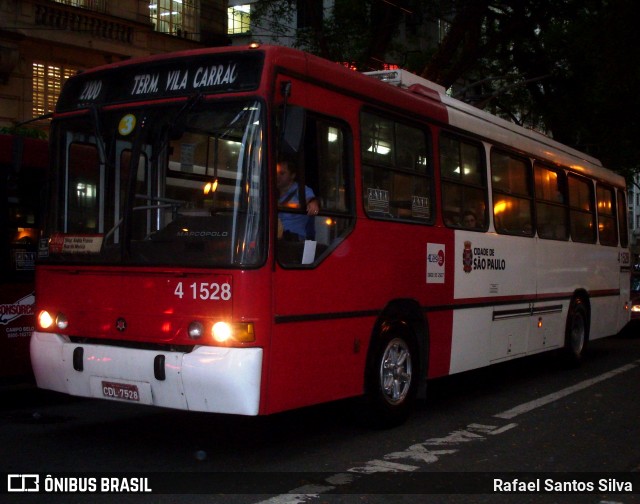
[175, 131]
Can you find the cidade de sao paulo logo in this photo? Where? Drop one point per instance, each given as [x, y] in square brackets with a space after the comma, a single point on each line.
[481, 258]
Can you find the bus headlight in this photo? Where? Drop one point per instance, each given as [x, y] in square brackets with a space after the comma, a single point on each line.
[635, 308]
[45, 320]
[224, 332]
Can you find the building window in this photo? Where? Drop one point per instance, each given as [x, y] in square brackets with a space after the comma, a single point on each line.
[94, 5]
[47, 83]
[443, 29]
[239, 17]
[176, 17]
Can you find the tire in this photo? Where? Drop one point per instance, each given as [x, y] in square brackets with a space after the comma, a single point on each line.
[577, 331]
[392, 378]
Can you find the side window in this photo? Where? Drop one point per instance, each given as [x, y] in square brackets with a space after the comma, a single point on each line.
[551, 203]
[622, 218]
[607, 225]
[396, 170]
[315, 209]
[512, 194]
[581, 209]
[464, 187]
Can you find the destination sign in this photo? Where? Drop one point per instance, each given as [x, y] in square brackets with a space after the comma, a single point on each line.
[206, 73]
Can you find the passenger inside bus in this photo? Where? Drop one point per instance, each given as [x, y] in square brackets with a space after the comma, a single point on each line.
[469, 220]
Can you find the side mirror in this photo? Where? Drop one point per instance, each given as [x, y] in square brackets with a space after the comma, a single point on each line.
[292, 129]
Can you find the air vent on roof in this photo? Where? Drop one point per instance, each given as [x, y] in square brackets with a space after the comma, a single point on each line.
[404, 79]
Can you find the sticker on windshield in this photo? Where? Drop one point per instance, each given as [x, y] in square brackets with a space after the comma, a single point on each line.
[75, 244]
[127, 124]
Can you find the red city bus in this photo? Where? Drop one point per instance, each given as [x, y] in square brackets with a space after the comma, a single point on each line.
[23, 164]
[251, 230]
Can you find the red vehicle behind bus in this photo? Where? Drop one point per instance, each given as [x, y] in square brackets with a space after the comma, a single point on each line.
[23, 165]
[251, 230]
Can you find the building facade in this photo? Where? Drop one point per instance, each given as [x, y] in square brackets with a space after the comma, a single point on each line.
[415, 30]
[42, 42]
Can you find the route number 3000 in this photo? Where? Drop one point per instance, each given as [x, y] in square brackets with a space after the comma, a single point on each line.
[204, 290]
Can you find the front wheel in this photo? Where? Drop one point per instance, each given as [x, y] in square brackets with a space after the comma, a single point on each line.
[392, 379]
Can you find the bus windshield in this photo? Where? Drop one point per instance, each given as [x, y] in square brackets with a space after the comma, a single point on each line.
[171, 185]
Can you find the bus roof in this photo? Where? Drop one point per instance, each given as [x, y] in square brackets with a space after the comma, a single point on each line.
[497, 130]
[409, 93]
[415, 94]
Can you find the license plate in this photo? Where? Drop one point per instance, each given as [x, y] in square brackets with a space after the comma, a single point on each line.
[122, 391]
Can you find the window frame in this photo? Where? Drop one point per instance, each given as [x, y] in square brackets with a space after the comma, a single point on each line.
[239, 19]
[553, 204]
[623, 219]
[507, 194]
[187, 18]
[577, 210]
[422, 207]
[603, 217]
[482, 186]
[290, 255]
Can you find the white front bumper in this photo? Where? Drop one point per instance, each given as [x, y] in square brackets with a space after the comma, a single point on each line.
[212, 379]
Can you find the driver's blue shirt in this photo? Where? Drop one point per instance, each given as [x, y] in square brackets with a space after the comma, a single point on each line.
[294, 222]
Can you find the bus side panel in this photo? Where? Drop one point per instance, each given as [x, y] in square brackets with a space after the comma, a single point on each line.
[440, 330]
[495, 284]
[325, 316]
[314, 362]
[606, 301]
[323, 357]
[565, 268]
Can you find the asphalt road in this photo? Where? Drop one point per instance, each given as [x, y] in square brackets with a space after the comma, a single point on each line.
[573, 432]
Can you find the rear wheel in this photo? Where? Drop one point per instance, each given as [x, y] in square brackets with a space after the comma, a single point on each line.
[392, 378]
[577, 331]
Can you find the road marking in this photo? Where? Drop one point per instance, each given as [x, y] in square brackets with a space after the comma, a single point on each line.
[542, 401]
[417, 453]
[290, 498]
[421, 452]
